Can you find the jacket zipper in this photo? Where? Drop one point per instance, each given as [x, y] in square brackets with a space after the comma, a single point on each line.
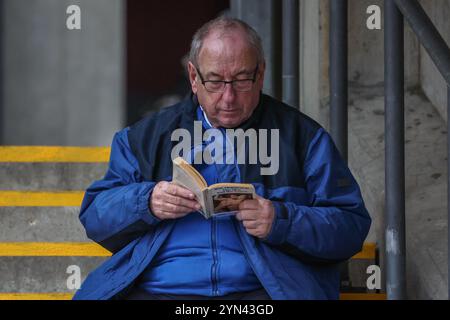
[214, 247]
[215, 262]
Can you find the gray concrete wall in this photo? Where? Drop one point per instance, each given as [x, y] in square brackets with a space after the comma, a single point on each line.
[431, 80]
[1, 71]
[366, 48]
[62, 87]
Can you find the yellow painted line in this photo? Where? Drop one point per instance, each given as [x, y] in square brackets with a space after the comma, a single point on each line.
[68, 296]
[362, 296]
[54, 154]
[368, 251]
[52, 249]
[36, 296]
[40, 199]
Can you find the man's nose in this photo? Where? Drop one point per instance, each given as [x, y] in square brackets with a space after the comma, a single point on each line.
[229, 94]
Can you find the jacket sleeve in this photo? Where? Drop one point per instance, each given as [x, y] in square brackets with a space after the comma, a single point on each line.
[115, 209]
[335, 224]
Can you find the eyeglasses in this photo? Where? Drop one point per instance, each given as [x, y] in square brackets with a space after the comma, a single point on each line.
[241, 85]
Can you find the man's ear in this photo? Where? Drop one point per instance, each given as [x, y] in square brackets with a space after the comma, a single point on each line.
[192, 77]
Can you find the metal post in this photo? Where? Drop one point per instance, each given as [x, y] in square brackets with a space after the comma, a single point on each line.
[395, 152]
[338, 74]
[290, 52]
[264, 16]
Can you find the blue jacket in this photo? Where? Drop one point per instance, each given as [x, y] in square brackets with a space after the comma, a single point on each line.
[203, 256]
[320, 218]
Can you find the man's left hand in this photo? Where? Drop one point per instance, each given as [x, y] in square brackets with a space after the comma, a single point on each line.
[257, 216]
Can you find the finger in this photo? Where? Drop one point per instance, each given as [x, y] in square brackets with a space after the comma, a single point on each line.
[175, 190]
[169, 207]
[163, 215]
[254, 232]
[250, 224]
[249, 204]
[159, 205]
[247, 215]
[183, 202]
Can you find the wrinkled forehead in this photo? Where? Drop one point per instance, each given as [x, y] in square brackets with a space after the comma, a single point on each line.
[227, 52]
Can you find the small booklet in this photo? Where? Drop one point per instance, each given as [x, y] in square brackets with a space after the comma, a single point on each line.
[216, 199]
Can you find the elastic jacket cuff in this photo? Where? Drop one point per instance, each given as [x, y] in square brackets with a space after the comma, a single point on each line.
[280, 225]
[143, 206]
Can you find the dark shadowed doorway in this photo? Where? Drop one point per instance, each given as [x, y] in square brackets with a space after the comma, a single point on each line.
[158, 37]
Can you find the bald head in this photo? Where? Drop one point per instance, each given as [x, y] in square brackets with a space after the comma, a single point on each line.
[223, 27]
[227, 48]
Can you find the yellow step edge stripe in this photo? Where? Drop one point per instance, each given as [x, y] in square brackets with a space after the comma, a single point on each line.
[41, 199]
[66, 249]
[54, 154]
[68, 296]
[36, 296]
[52, 249]
[368, 251]
[362, 296]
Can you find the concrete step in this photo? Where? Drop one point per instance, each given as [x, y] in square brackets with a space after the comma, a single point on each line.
[358, 275]
[47, 224]
[49, 176]
[41, 189]
[42, 274]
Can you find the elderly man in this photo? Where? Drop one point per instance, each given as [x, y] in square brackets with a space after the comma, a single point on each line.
[286, 243]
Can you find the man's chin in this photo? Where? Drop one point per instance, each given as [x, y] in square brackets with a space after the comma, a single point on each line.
[230, 123]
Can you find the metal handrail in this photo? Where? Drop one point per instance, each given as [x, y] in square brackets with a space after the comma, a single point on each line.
[427, 34]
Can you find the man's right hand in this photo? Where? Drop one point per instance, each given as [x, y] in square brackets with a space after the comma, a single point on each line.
[170, 201]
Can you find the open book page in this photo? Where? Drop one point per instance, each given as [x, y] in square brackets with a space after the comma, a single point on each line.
[185, 177]
[226, 197]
